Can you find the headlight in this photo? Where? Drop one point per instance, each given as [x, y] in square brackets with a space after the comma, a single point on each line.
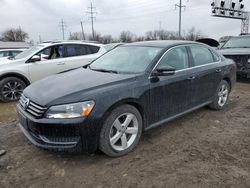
[74, 110]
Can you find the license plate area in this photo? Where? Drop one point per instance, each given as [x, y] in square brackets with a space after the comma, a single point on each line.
[23, 121]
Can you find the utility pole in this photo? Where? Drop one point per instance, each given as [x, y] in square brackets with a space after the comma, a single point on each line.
[180, 6]
[92, 17]
[40, 39]
[63, 26]
[83, 35]
[159, 25]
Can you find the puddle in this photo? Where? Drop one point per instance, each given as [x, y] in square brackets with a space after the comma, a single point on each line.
[8, 112]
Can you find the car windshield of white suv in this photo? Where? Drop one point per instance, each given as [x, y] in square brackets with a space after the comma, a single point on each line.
[126, 59]
[28, 52]
[239, 42]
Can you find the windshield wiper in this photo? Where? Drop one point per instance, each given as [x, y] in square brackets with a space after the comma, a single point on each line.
[104, 70]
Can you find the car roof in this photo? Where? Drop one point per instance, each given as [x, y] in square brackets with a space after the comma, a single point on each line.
[161, 43]
[49, 43]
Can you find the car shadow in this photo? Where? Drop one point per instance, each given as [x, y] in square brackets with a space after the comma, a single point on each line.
[148, 138]
[243, 80]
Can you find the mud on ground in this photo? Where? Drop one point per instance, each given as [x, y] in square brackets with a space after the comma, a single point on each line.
[202, 149]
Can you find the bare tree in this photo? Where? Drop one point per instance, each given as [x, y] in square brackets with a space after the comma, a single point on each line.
[192, 34]
[151, 35]
[75, 36]
[106, 39]
[126, 36]
[15, 35]
[161, 35]
[173, 35]
[139, 38]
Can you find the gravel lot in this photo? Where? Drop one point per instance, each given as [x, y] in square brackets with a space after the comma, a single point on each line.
[202, 149]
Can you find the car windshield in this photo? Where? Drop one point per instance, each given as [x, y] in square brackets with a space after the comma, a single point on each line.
[238, 42]
[126, 59]
[28, 52]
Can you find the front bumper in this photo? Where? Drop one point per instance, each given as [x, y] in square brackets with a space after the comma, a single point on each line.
[71, 135]
[242, 63]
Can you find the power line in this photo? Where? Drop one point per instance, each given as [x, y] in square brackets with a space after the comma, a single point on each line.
[180, 6]
[63, 27]
[92, 17]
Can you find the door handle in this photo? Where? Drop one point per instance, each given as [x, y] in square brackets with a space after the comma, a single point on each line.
[218, 70]
[191, 78]
[60, 63]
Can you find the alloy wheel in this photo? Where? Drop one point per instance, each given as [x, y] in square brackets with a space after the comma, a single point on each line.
[223, 95]
[123, 131]
[12, 90]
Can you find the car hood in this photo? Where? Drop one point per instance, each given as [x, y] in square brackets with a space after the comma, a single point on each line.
[235, 51]
[2, 59]
[73, 86]
[7, 62]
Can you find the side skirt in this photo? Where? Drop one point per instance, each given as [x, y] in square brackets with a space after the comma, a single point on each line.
[176, 116]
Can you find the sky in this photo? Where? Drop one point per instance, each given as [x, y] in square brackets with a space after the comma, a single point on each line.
[42, 17]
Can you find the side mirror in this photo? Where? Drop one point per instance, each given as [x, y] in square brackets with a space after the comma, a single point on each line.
[35, 58]
[164, 71]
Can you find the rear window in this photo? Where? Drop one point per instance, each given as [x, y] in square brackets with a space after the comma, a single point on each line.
[216, 56]
[201, 55]
[78, 50]
[94, 49]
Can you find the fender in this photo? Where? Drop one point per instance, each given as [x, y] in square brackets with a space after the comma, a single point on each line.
[17, 75]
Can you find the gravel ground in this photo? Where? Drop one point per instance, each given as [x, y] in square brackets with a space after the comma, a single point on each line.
[202, 149]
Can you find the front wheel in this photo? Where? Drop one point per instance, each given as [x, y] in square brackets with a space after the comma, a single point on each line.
[221, 96]
[121, 131]
[11, 89]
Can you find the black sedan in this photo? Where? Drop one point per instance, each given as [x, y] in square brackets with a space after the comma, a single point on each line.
[128, 90]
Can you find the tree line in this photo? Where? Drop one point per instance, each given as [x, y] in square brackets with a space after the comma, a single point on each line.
[127, 36]
[192, 34]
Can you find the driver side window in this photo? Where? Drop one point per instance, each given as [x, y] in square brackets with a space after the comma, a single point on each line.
[53, 52]
[177, 58]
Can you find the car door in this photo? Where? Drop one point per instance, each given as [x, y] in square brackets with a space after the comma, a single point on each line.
[78, 55]
[51, 62]
[206, 71]
[170, 95]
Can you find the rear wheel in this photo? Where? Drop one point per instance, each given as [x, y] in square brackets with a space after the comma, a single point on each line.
[221, 96]
[11, 89]
[121, 131]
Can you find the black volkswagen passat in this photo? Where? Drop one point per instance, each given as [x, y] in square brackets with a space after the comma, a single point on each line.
[128, 90]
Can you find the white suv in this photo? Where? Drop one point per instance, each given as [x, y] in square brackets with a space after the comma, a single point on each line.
[41, 61]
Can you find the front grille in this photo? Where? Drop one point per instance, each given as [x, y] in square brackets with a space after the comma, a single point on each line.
[32, 108]
[240, 60]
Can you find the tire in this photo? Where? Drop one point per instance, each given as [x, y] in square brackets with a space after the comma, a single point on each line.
[219, 103]
[11, 89]
[116, 125]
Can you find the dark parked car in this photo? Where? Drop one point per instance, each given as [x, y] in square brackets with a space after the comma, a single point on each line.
[130, 89]
[238, 49]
